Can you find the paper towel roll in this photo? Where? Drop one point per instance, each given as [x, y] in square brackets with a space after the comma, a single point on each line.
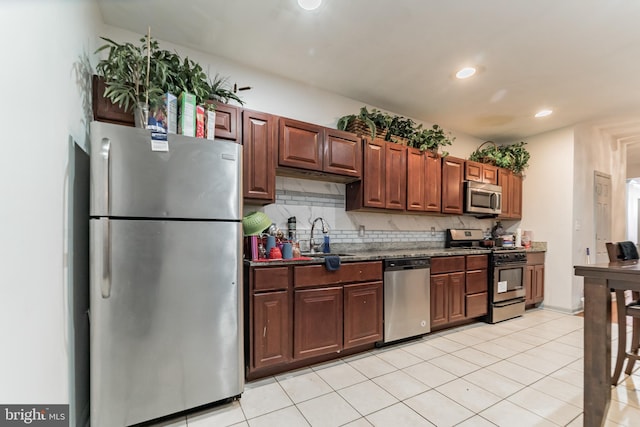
[518, 237]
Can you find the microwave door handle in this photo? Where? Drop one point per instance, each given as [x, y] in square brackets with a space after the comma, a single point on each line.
[495, 201]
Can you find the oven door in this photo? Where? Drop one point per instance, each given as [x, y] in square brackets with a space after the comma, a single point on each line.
[508, 282]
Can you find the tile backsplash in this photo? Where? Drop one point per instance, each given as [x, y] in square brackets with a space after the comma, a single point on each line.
[307, 200]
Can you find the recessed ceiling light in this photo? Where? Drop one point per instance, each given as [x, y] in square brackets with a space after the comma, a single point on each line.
[466, 72]
[544, 113]
[309, 4]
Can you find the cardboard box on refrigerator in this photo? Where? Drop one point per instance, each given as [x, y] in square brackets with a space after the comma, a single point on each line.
[200, 121]
[211, 124]
[187, 114]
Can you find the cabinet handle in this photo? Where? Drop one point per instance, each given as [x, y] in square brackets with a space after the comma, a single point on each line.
[264, 332]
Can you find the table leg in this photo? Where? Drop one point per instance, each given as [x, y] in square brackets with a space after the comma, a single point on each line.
[597, 351]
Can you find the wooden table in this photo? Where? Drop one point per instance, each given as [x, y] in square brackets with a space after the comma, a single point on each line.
[599, 279]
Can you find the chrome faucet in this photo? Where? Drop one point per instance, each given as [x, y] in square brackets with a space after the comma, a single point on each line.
[325, 229]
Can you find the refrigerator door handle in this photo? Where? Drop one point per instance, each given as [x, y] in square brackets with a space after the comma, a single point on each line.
[105, 151]
[105, 283]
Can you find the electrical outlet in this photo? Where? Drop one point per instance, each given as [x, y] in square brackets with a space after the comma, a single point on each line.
[361, 231]
[433, 231]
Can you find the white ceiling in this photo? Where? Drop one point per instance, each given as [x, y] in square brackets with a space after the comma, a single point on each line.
[580, 58]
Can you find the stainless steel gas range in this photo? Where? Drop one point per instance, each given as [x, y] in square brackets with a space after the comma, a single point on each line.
[507, 267]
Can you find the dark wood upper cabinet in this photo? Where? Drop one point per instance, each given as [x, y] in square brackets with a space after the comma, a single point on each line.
[373, 174]
[342, 153]
[395, 176]
[228, 119]
[423, 181]
[480, 172]
[511, 194]
[103, 109]
[300, 145]
[259, 156]
[452, 185]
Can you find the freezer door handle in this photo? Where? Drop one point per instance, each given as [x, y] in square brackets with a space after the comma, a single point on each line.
[105, 153]
[105, 283]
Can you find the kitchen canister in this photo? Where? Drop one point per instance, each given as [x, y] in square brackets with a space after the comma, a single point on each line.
[287, 251]
[271, 243]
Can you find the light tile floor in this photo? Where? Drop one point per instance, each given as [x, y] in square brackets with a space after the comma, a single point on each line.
[522, 372]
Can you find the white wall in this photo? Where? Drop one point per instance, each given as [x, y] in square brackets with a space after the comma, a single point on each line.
[42, 45]
[548, 210]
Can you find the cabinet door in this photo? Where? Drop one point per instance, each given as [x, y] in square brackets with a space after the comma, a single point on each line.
[395, 176]
[452, 179]
[529, 281]
[538, 284]
[489, 174]
[227, 121]
[477, 305]
[271, 329]
[439, 300]
[473, 171]
[433, 187]
[317, 322]
[259, 156]
[342, 153]
[417, 179]
[504, 180]
[374, 173]
[300, 145]
[516, 196]
[362, 314]
[456, 296]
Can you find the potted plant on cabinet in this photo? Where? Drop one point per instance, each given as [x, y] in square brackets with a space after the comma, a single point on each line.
[132, 79]
[358, 123]
[514, 156]
[431, 139]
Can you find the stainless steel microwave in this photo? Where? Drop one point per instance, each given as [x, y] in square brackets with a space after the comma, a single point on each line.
[482, 199]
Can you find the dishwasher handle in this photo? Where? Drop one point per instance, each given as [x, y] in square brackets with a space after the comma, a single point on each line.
[406, 264]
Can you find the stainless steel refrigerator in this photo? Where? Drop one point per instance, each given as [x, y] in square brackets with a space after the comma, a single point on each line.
[166, 277]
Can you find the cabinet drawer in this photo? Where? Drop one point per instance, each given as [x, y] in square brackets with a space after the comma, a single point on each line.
[477, 305]
[447, 264]
[477, 262]
[535, 258]
[266, 279]
[476, 281]
[316, 275]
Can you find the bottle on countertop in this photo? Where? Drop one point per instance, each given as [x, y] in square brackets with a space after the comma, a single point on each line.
[291, 226]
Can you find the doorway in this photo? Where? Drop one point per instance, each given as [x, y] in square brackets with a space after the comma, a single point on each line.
[602, 201]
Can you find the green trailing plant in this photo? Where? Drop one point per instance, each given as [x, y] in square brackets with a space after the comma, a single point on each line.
[402, 127]
[431, 139]
[514, 156]
[125, 72]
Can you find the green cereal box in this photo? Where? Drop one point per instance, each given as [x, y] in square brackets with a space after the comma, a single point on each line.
[187, 114]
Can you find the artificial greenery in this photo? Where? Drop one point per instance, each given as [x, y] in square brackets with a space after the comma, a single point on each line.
[125, 72]
[514, 156]
[363, 115]
[431, 139]
[220, 90]
[399, 127]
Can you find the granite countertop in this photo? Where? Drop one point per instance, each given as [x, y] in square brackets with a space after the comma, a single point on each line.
[377, 255]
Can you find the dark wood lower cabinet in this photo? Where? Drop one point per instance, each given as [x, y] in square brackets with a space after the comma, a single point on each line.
[447, 298]
[362, 314]
[271, 325]
[534, 279]
[317, 326]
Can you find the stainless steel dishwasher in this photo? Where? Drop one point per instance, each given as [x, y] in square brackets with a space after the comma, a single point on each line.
[407, 305]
